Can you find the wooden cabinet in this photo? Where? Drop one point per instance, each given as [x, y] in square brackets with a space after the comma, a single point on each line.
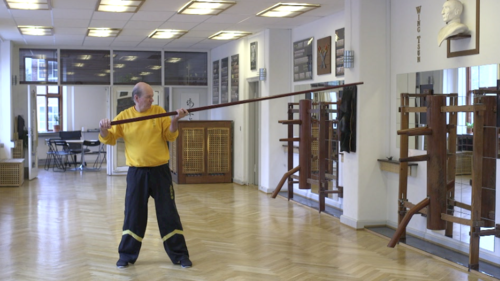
[203, 152]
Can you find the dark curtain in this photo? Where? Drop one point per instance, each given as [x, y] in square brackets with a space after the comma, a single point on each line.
[347, 118]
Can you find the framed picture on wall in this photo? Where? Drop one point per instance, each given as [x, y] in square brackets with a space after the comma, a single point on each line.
[339, 52]
[224, 80]
[302, 59]
[235, 78]
[215, 82]
[324, 54]
[253, 55]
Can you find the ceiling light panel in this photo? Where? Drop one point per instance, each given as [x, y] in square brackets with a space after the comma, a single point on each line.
[229, 35]
[36, 30]
[167, 34]
[287, 10]
[28, 4]
[119, 6]
[205, 7]
[103, 32]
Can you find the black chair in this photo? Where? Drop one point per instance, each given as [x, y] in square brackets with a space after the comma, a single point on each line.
[50, 154]
[60, 154]
[74, 148]
[100, 152]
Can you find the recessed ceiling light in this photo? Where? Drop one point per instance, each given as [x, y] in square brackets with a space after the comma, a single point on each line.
[205, 7]
[154, 67]
[287, 10]
[70, 73]
[78, 64]
[119, 6]
[101, 74]
[229, 35]
[167, 34]
[84, 57]
[35, 30]
[144, 73]
[103, 32]
[28, 4]
[128, 58]
[119, 65]
[173, 60]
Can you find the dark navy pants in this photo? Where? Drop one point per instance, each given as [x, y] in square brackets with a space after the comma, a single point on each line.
[157, 183]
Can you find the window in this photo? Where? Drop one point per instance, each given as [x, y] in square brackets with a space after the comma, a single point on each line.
[49, 109]
[186, 68]
[130, 67]
[90, 67]
[38, 66]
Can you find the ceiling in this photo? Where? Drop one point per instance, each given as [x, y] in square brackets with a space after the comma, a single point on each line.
[71, 18]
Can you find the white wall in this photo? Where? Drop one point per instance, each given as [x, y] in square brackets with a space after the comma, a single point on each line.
[404, 60]
[6, 128]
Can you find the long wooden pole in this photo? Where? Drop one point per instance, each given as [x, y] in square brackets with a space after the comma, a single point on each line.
[117, 122]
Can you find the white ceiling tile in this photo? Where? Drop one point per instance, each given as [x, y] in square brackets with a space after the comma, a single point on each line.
[34, 21]
[178, 25]
[74, 4]
[72, 14]
[135, 32]
[42, 14]
[162, 5]
[152, 16]
[152, 25]
[189, 18]
[39, 40]
[68, 31]
[124, 44]
[100, 42]
[107, 23]
[152, 44]
[71, 23]
[129, 38]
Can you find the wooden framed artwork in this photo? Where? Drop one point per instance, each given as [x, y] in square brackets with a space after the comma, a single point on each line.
[471, 18]
[215, 82]
[324, 54]
[339, 52]
[224, 80]
[253, 55]
[302, 59]
[235, 78]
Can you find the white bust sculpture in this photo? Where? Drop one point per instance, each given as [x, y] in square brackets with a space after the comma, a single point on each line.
[452, 10]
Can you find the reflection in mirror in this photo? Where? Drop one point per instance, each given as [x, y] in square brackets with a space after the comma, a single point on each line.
[462, 81]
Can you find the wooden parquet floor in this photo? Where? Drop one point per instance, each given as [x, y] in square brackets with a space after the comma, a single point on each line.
[67, 226]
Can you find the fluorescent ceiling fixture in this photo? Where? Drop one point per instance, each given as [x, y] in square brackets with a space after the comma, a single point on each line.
[167, 34]
[205, 7]
[79, 64]
[174, 60]
[128, 58]
[103, 32]
[35, 30]
[119, 65]
[84, 57]
[107, 71]
[70, 73]
[101, 74]
[154, 67]
[28, 4]
[145, 73]
[119, 6]
[229, 35]
[135, 78]
[287, 10]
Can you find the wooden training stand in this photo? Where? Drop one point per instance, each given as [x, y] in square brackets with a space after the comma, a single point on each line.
[440, 202]
[318, 149]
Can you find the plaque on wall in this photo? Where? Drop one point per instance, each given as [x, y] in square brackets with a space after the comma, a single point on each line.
[253, 55]
[224, 80]
[235, 78]
[302, 59]
[339, 52]
[215, 82]
[324, 62]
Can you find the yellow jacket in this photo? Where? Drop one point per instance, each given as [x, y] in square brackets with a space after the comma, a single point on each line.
[145, 141]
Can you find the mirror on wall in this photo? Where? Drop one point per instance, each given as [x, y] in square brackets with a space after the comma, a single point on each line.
[460, 81]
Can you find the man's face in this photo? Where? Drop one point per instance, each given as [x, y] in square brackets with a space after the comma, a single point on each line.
[145, 101]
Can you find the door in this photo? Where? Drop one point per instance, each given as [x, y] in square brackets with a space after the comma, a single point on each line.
[121, 100]
[254, 133]
[32, 134]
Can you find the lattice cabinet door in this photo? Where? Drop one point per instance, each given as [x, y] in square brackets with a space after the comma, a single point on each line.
[203, 152]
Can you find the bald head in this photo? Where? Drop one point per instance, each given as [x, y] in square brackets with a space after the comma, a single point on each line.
[139, 89]
[142, 94]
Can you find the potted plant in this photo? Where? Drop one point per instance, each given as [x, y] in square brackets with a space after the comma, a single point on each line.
[57, 126]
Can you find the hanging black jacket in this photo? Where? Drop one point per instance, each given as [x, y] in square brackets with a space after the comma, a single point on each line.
[347, 118]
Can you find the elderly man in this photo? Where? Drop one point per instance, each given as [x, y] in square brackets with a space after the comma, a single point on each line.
[148, 175]
[452, 10]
